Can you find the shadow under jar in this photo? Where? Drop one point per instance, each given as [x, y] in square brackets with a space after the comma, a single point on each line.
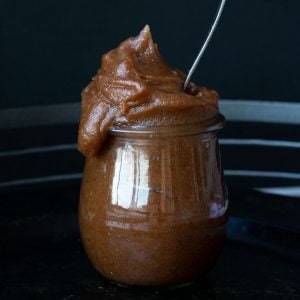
[153, 204]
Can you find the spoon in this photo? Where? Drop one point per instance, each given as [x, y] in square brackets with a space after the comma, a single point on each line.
[201, 52]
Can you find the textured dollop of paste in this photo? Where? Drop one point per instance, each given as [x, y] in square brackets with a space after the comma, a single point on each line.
[135, 86]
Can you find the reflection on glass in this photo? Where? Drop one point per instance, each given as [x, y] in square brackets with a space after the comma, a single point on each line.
[130, 188]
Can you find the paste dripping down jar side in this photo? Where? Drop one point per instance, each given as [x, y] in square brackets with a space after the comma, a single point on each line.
[153, 204]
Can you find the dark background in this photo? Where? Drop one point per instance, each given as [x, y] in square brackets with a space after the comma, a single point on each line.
[51, 49]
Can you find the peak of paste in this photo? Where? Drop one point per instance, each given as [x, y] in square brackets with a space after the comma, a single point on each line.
[135, 86]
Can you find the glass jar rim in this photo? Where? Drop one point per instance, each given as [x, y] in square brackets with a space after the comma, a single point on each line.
[211, 125]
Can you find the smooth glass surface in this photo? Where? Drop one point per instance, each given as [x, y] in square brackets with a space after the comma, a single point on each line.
[153, 206]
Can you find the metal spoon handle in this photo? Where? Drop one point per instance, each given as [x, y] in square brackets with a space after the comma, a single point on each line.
[209, 36]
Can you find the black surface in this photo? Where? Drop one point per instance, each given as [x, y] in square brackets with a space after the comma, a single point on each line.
[42, 256]
[51, 49]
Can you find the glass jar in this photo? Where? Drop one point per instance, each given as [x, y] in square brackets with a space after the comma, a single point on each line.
[153, 204]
